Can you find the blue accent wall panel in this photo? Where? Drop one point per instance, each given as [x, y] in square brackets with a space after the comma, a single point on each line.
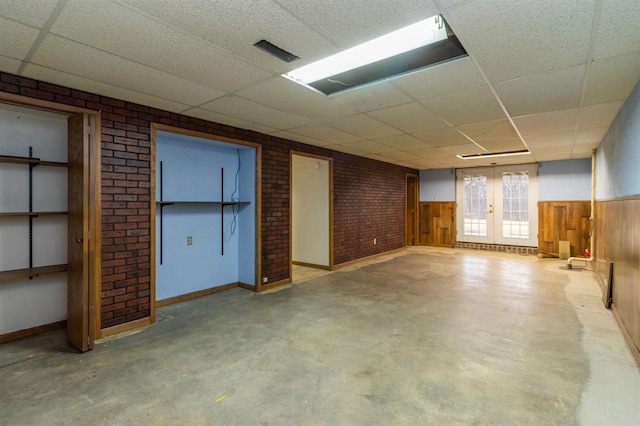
[438, 185]
[192, 171]
[618, 155]
[565, 180]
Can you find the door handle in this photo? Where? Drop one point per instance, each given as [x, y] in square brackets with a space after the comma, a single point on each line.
[78, 240]
[490, 208]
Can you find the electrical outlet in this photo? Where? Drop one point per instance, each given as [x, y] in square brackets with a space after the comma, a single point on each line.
[265, 279]
[375, 241]
[189, 241]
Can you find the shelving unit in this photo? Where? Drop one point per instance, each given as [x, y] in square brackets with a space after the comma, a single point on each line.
[31, 271]
[163, 203]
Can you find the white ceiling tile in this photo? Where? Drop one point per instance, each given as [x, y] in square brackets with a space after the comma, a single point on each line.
[548, 122]
[236, 25]
[489, 131]
[466, 107]
[551, 139]
[516, 39]
[9, 64]
[452, 76]
[54, 52]
[618, 29]
[442, 137]
[348, 150]
[30, 12]
[229, 121]
[411, 118]
[562, 152]
[325, 133]
[245, 109]
[467, 149]
[598, 115]
[399, 155]
[403, 142]
[288, 96]
[612, 79]
[504, 145]
[592, 135]
[364, 126]
[583, 150]
[16, 38]
[369, 147]
[350, 23]
[430, 153]
[372, 97]
[92, 86]
[554, 90]
[144, 40]
[284, 134]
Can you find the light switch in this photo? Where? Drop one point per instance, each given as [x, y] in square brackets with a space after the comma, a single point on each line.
[189, 241]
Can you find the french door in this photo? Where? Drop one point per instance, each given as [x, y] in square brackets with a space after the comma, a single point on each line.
[498, 205]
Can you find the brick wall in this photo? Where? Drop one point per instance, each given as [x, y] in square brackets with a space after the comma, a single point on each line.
[369, 196]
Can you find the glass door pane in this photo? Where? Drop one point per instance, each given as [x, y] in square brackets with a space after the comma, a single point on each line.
[515, 205]
[475, 218]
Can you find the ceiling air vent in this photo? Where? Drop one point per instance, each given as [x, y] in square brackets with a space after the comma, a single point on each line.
[275, 51]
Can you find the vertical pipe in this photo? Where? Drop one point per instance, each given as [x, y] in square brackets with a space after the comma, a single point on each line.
[593, 202]
[30, 211]
[222, 209]
[161, 212]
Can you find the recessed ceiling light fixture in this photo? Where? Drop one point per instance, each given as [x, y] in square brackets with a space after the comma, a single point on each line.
[417, 46]
[494, 154]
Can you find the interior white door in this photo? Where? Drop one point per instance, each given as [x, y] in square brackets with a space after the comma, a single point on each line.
[498, 205]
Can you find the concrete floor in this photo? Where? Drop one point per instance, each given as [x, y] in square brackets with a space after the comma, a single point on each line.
[431, 336]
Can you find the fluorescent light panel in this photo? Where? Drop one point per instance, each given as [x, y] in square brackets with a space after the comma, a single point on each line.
[403, 40]
[494, 154]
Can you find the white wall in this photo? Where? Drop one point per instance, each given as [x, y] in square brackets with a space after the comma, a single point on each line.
[310, 210]
[26, 303]
[618, 155]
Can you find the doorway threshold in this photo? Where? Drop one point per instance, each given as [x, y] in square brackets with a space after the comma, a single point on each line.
[498, 247]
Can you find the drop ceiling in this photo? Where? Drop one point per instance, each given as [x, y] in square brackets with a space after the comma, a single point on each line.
[547, 75]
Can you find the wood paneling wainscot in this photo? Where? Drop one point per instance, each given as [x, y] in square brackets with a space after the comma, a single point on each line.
[617, 240]
[437, 223]
[564, 221]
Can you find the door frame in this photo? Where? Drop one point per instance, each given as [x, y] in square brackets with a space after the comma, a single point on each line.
[494, 236]
[89, 302]
[330, 210]
[412, 216]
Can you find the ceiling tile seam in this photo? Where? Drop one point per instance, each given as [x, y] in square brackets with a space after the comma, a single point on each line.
[108, 84]
[295, 16]
[493, 90]
[328, 124]
[128, 60]
[190, 35]
[55, 13]
[455, 128]
[233, 94]
[587, 69]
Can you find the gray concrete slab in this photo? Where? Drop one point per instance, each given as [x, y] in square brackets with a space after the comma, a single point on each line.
[432, 336]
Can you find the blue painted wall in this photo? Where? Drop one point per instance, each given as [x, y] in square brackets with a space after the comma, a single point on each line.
[438, 185]
[565, 180]
[618, 155]
[192, 172]
[558, 181]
